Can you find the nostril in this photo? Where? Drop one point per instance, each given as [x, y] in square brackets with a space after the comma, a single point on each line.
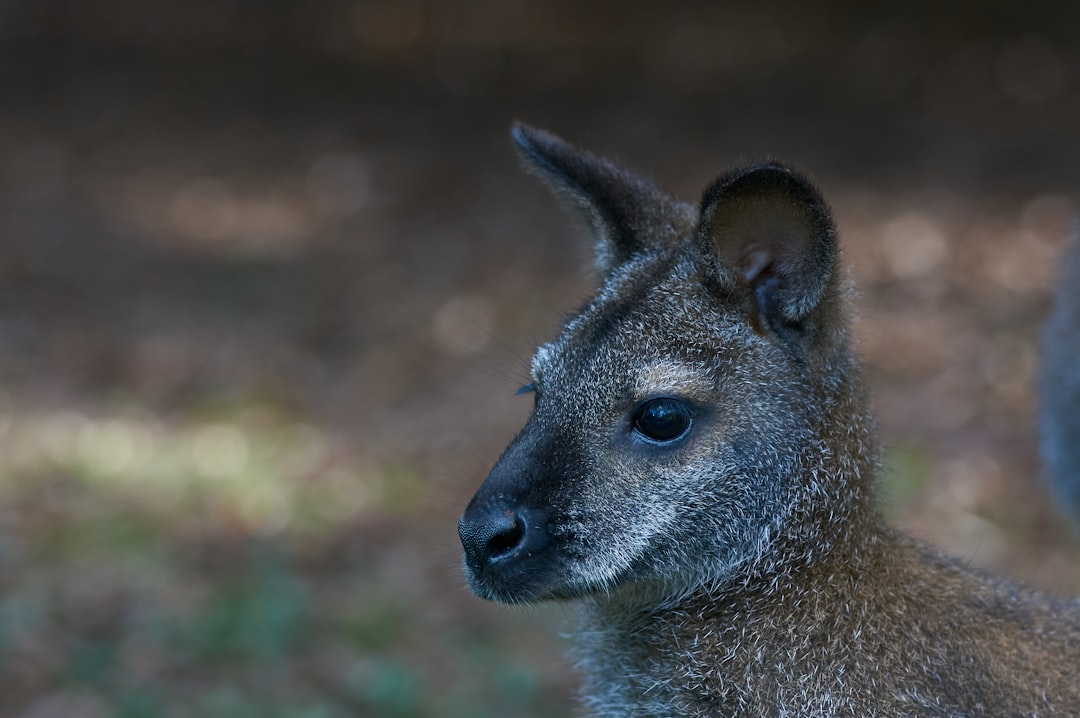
[493, 537]
[505, 541]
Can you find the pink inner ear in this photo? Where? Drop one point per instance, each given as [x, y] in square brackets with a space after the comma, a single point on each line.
[754, 263]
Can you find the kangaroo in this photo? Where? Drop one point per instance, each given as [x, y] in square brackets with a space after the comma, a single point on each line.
[1059, 389]
[699, 472]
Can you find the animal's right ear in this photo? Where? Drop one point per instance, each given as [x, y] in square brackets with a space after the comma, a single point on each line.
[767, 238]
[625, 212]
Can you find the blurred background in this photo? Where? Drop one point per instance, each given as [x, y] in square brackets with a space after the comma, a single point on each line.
[270, 275]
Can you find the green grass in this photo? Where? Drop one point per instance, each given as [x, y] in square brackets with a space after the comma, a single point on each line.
[239, 564]
[907, 469]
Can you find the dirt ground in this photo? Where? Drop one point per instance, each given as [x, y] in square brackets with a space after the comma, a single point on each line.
[270, 275]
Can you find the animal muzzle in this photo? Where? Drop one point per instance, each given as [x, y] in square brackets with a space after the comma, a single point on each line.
[507, 556]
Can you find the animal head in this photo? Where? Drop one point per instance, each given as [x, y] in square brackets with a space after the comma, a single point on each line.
[680, 420]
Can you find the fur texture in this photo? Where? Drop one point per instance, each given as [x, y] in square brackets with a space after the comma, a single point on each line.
[699, 471]
[1059, 388]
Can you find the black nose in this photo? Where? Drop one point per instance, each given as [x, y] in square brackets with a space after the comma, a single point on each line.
[492, 536]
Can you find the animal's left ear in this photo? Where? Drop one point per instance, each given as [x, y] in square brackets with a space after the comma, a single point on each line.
[766, 235]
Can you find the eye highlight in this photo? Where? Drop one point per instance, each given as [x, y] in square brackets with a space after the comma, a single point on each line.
[663, 420]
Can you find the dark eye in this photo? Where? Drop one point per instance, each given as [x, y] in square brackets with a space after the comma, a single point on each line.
[662, 420]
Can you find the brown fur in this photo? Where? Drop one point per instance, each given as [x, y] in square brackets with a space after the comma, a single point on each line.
[699, 471]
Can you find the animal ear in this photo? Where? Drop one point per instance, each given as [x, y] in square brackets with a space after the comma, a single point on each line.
[626, 213]
[766, 235]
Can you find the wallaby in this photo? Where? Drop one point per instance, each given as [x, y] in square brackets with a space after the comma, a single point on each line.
[700, 467]
[1059, 388]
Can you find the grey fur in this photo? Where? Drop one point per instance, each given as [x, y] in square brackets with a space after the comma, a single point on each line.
[740, 569]
[1059, 387]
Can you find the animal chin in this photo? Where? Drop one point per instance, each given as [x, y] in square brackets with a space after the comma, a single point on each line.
[517, 579]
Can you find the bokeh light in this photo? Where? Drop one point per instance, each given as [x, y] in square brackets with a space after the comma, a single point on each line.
[270, 276]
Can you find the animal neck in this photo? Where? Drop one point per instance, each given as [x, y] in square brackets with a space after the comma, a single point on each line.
[712, 652]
